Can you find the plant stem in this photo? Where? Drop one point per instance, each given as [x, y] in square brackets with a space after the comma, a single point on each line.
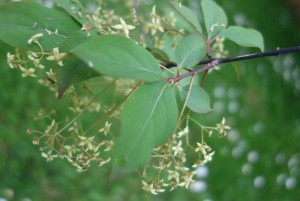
[215, 62]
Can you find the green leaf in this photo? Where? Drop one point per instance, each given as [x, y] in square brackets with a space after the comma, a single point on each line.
[198, 101]
[159, 54]
[76, 39]
[20, 21]
[119, 57]
[148, 119]
[188, 15]
[244, 37]
[214, 17]
[73, 71]
[190, 50]
[75, 9]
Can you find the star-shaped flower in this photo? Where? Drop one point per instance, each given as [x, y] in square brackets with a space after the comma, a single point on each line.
[123, 26]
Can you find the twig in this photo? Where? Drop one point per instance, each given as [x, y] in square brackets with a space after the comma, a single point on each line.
[215, 62]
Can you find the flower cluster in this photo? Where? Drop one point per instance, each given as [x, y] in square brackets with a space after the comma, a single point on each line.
[67, 141]
[156, 22]
[169, 160]
[28, 61]
[218, 48]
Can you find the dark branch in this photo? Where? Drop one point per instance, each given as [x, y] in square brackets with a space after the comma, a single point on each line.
[215, 62]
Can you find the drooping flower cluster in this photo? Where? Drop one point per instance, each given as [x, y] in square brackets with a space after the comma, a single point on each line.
[68, 141]
[169, 160]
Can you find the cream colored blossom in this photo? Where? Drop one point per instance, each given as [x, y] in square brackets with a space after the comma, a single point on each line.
[57, 56]
[149, 187]
[123, 26]
[202, 148]
[103, 162]
[85, 140]
[106, 128]
[34, 38]
[27, 72]
[173, 174]
[177, 149]
[222, 127]
[155, 25]
[187, 180]
[183, 132]
[10, 59]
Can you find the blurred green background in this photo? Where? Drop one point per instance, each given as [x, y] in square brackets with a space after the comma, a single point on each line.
[258, 160]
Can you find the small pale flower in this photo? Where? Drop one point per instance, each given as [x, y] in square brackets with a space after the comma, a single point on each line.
[34, 38]
[85, 140]
[109, 145]
[51, 128]
[153, 13]
[123, 26]
[173, 174]
[222, 127]
[55, 55]
[155, 26]
[159, 43]
[183, 132]
[106, 128]
[49, 156]
[208, 157]
[103, 162]
[187, 180]
[177, 149]
[173, 185]
[27, 72]
[37, 64]
[10, 59]
[201, 148]
[36, 140]
[149, 187]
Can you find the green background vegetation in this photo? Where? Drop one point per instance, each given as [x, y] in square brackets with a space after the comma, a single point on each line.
[262, 108]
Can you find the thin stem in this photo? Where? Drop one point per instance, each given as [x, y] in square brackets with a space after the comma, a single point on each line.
[215, 62]
[185, 102]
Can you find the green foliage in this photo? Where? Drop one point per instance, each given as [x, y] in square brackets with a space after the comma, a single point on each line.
[214, 17]
[75, 9]
[244, 37]
[188, 15]
[20, 21]
[103, 54]
[74, 71]
[198, 100]
[149, 118]
[189, 53]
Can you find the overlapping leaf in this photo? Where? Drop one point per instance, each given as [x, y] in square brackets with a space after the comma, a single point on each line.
[20, 21]
[190, 50]
[75, 9]
[244, 37]
[119, 57]
[73, 71]
[198, 100]
[148, 119]
[214, 17]
[188, 15]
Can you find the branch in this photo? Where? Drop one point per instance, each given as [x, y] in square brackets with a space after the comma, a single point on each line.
[215, 62]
